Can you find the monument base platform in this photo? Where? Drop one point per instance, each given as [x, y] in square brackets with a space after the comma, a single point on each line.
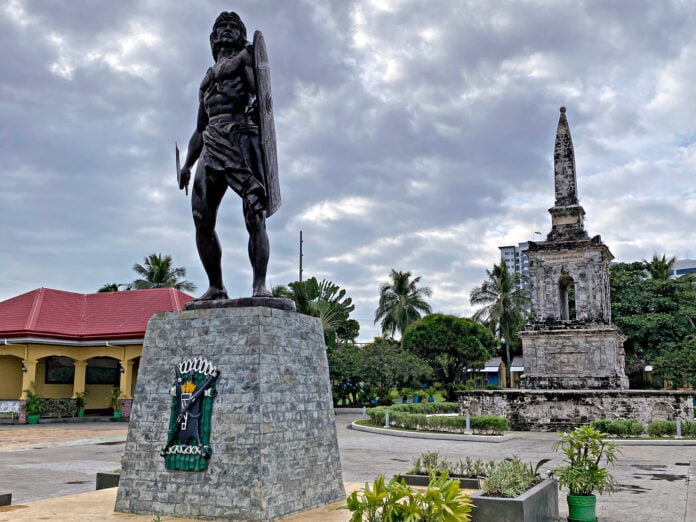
[548, 410]
[272, 429]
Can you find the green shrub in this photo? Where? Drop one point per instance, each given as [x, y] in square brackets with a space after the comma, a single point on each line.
[58, 407]
[511, 477]
[442, 501]
[689, 428]
[489, 424]
[413, 417]
[619, 427]
[427, 408]
[662, 428]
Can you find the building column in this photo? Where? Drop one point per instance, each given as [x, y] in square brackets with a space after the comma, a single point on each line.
[28, 377]
[80, 377]
[126, 383]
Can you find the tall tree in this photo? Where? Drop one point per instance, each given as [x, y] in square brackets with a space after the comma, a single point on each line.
[158, 272]
[659, 268]
[505, 304]
[655, 314]
[384, 364]
[678, 365]
[450, 345]
[401, 302]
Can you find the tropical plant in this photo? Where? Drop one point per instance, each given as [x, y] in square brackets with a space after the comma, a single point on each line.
[33, 404]
[584, 449]
[158, 272]
[327, 301]
[442, 501]
[80, 400]
[504, 305]
[401, 303]
[115, 399]
[450, 345]
[659, 268]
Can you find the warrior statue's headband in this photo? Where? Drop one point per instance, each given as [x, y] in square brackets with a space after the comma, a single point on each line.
[223, 17]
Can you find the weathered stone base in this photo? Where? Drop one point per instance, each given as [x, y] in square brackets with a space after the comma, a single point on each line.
[575, 382]
[573, 357]
[538, 410]
[273, 435]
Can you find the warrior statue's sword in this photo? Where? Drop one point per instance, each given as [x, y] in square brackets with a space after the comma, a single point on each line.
[178, 167]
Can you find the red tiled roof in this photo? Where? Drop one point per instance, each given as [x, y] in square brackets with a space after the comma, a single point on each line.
[45, 312]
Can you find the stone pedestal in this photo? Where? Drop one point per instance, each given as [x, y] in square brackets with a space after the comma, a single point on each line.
[273, 432]
[573, 357]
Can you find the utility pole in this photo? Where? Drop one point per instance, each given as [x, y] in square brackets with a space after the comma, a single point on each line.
[301, 256]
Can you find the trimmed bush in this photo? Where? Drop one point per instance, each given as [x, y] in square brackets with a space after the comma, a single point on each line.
[58, 407]
[413, 417]
[662, 428]
[619, 427]
[427, 408]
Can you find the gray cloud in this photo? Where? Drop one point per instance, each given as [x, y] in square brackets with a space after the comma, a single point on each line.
[411, 136]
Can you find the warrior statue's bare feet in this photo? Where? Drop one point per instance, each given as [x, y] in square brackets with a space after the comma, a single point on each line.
[260, 291]
[213, 294]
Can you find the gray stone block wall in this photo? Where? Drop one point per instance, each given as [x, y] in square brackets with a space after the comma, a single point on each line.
[543, 410]
[275, 450]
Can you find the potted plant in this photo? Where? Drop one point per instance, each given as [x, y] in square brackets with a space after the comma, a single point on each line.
[515, 491]
[80, 403]
[32, 404]
[583, 473]
[116, 401]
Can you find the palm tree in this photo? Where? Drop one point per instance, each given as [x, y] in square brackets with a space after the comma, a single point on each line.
[109, 287]
[401, 303]
[505, 304]
[325, 300]
[659, 268]
[158, 272]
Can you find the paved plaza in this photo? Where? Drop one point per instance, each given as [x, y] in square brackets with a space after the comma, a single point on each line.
[658, 482]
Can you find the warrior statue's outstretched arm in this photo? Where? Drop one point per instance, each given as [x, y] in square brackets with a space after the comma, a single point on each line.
[195, 147]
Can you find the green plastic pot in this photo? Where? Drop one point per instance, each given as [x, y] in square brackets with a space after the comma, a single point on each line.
[33, 419]
[581, 508]
[117, 415]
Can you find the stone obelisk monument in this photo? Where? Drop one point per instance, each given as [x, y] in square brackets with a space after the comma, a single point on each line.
[571, 342]
[233, 415]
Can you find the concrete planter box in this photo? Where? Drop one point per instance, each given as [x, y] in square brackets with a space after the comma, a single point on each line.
[107, 480]
[422, 481]
[539, 504]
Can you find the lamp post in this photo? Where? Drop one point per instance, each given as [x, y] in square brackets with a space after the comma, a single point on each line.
[508, 362]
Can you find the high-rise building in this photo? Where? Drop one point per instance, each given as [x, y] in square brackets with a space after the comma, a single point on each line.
[516, 261]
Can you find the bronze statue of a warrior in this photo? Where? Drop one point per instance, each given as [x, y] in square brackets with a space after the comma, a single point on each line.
[234, 144]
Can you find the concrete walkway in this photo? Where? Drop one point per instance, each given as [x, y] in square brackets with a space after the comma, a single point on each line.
[50, 469]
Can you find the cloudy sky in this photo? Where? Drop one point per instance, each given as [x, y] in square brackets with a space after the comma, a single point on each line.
[414, 135]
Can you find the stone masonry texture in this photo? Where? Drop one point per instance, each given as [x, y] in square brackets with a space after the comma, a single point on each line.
[541, 410]
[275, 450]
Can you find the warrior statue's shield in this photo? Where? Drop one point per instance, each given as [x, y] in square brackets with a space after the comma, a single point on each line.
[266, 124]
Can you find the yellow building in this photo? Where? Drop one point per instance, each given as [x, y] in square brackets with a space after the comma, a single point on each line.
[69, 344]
